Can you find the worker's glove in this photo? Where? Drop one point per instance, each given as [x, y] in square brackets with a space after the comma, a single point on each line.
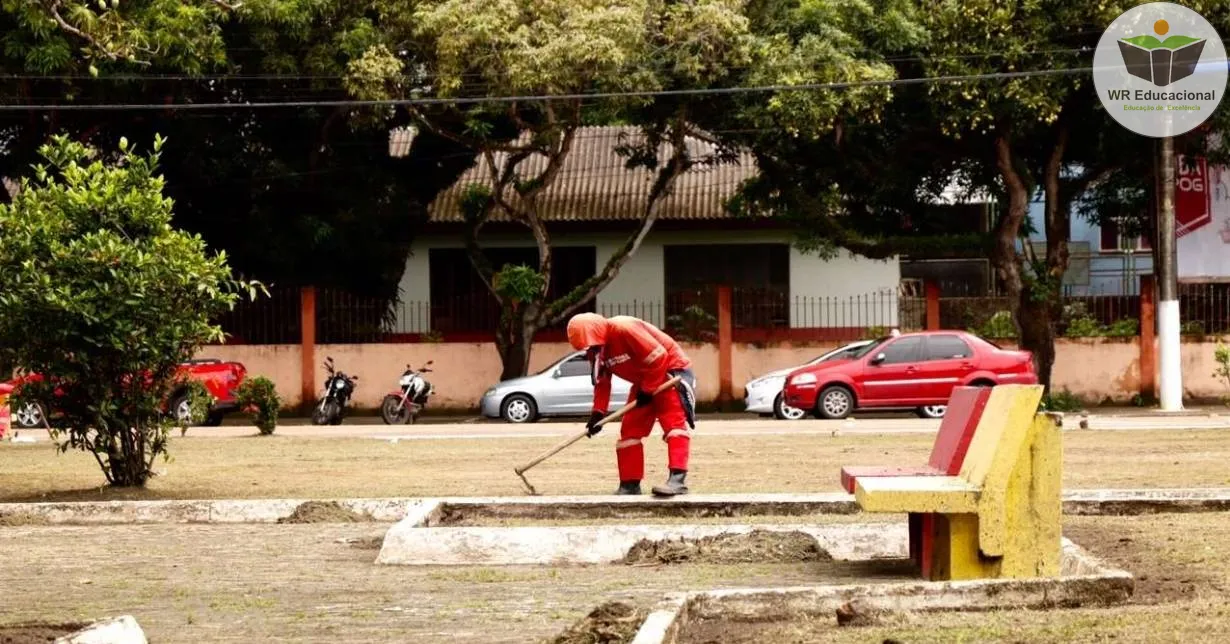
[593, 425]
[644, 399]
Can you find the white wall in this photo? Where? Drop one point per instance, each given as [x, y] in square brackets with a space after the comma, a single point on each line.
[642, 279]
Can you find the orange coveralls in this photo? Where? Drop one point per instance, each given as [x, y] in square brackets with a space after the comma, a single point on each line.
[642, 354]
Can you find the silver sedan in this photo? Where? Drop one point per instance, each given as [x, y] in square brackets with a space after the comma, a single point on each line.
[563, 389]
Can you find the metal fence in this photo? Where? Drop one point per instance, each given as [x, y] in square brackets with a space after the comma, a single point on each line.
[756, 314]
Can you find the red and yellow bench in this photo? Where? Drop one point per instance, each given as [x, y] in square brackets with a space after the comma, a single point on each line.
[988, 503]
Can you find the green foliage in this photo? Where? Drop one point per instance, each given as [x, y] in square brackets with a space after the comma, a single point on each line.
[874, 333]
[695, 324]
[475, 201]
[1221, 355]
[519, 283]
[1083, 327]
[259, 397]
[433, 336]
[103, 296]
[199, 399]
[1062, 401]
[1123, 328]
[1000, 325]
[1192, 327]
[94, 37]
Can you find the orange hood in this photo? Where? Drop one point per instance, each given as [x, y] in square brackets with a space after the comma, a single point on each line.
[586, 330]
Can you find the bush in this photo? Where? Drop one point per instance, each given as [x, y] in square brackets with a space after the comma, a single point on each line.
[1221, 355]
[259, 397]
[199, 400]
[1124, 328]
[101, 295]
[1062, 401]
[1192, 327]
[874, 333]
[695, 324]
[1083, 327]
[1000, 325]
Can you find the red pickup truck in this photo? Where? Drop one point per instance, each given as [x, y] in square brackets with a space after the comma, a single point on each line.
[220, 378]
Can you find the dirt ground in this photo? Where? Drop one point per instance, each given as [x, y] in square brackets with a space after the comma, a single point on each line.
[272, 467]
[1181, 580]
[317, 583]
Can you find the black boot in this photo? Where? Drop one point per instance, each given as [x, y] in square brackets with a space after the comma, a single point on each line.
[675, 484]
[627, 488]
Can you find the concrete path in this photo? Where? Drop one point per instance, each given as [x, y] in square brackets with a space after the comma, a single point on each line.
[709, 427]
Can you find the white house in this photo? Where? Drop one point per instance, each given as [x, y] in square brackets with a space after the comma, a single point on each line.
[591, 210]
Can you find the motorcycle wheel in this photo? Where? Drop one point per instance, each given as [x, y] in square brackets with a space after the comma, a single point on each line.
[325, 413]
[391, 414]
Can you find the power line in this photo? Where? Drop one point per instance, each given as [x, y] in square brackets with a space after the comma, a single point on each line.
[719, 91]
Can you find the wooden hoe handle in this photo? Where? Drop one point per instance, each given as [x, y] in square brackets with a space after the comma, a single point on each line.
[613, 416]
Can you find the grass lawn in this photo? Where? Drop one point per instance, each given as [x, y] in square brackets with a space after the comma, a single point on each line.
[317, 583]
[270, 467]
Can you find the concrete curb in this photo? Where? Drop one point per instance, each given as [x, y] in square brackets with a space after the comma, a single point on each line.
[1086, 582]
[114, 630]
[454, 510]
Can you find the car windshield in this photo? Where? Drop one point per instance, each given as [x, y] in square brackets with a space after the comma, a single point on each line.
[555, 365]
[842, 354]
[862, 351]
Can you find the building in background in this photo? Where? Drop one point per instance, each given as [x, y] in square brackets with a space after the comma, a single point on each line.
[592, 208]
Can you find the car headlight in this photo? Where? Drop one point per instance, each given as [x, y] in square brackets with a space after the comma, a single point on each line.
[803, 379]
[490, 392]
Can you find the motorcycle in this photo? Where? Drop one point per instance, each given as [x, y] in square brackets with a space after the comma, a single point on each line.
[404, 404]
[339, 387]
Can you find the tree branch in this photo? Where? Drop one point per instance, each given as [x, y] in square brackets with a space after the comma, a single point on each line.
[678, 164]
[53, 8]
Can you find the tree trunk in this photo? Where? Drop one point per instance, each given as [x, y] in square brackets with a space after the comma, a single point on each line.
[1041, 301]
[1036, 319]
[1032, 314]
[514, 339]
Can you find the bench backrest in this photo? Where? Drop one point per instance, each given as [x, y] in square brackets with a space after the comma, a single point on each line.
[965, 408]
[1002, 433]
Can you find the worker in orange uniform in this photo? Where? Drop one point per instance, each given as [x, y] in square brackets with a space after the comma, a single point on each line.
[642, 354]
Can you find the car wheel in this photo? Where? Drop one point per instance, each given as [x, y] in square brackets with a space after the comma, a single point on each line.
[835, 402]
[29, 416]
[181, 410]
[782, 411]
[213, 420]
[933, 411]
[519, 408]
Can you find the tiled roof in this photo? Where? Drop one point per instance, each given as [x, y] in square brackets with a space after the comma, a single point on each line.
[595, 185]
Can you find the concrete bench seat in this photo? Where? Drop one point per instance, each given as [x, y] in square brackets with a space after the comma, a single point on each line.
[965, 407]
[999, 515]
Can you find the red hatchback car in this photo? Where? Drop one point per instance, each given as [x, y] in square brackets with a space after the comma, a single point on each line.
[912, 370]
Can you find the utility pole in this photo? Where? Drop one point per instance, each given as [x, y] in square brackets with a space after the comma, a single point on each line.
[1167, 270]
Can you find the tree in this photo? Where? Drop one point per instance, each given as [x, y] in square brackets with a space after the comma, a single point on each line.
[1046, 134]
[556, 48]
[104, 299]
[1012, 137]
[278, 189]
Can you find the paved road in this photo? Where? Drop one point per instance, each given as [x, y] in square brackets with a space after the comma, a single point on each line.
[708, 426]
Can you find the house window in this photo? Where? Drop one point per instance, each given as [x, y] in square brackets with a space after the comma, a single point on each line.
[1114, 240]
[461, 302]
[758, 273]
